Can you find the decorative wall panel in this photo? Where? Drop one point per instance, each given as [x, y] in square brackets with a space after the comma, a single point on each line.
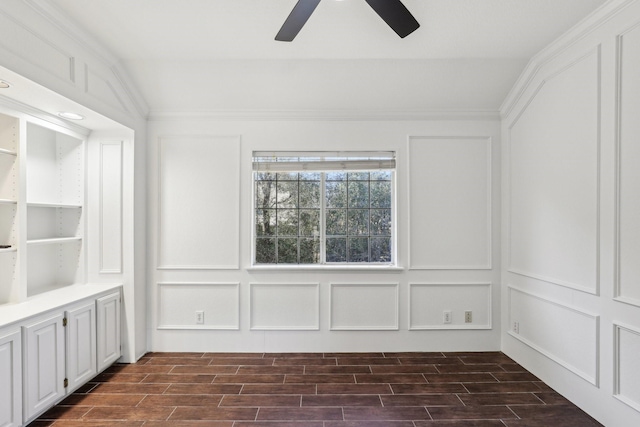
[628, 207]
[627, 365]
[293, 306]
[111, 207]
[179, 302]
[450, 202]
[429, 301]
[28, 45]
[554, 179]
[199, 202]
[365, 306]
[574, 342]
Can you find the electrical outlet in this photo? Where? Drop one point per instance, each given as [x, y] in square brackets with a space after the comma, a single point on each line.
[199, 317]
[468, 318]
[516, 327]
[446, 316]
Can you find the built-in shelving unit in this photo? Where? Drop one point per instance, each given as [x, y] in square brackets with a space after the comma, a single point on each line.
[42, 187]
[9, 191]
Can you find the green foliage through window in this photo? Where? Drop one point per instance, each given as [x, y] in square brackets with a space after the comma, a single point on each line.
[323, 217]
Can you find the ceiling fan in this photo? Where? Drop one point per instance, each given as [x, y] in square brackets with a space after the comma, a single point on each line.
[393, 12]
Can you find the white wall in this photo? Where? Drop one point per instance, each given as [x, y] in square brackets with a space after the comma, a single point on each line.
[571, 283]
[200, 219]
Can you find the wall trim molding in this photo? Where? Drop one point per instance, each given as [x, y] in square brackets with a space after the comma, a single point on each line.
[489, 325]
[160, 326]
[314, 327]
[581, 30]
[617, 328]
[595, 290]
[324, 115]
[592, 379]
[363, 285]
[101, 204]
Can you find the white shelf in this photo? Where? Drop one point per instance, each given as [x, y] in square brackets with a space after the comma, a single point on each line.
[8, 152]
[7, 202]
[53, 240]
[53, 205]
[11, 249]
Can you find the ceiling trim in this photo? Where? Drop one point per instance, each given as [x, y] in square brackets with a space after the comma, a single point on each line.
[325, 115]
[581, 30]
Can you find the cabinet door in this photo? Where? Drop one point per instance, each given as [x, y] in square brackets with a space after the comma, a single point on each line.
[81, 345]
[108, 330]
[10, 378]
[43, 361]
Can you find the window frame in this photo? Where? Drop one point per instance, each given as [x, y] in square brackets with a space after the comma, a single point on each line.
[323, 264]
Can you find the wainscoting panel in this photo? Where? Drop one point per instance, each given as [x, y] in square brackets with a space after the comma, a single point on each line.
[554, 174]
[179, 302]
[291, 307]
[110, 207]
[628, 200]
[28, 45]
[627, 365]
[575, 338]
[364, 307]
[429, 301]
[450, 202]
[197, 176]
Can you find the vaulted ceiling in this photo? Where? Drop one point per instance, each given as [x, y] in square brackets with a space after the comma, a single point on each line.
[220, 55]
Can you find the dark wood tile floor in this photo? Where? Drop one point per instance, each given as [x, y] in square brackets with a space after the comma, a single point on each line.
[317, 390]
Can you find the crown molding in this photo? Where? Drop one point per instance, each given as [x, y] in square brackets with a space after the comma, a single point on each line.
[572, 36]
[325, 115]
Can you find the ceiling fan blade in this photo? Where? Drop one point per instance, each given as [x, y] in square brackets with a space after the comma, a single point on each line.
[396, 15]
[296, 20]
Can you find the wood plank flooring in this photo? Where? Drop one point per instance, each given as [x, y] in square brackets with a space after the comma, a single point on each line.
[485, 389]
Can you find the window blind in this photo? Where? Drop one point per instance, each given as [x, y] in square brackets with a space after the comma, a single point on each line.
[291, 161]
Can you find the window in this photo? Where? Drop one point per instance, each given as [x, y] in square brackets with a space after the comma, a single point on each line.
[324, 208]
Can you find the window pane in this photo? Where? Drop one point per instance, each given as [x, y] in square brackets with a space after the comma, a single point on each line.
[336, 194]
[265, 222]
[287, 194]
[381, 194]
[381, 176]
[310, 222]
[358, 176]
[287, 222]
[358, 194]
[336, 249]
[381, 249]
[288, 251]
[310, 176]
[336, 222]
[265, 251]
[309, 194]
[358, 221]
[309, 251]
[264, 176]
[265, 194]
[287, 176]
[336, 176]
[381, 222]
[358, 249]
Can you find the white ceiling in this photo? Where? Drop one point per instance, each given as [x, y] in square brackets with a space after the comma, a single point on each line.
[216, 55]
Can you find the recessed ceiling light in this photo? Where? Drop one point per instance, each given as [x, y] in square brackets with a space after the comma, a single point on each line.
[70, 116]
[4, 84]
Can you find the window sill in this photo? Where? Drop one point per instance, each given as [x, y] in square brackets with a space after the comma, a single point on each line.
[327, 268]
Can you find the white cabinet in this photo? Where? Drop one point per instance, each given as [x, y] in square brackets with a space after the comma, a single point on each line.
[44, 364]
[108, 330]
[81, 345]
[10, 377]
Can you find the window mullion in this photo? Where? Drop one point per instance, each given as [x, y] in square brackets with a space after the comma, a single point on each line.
[323, 213]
